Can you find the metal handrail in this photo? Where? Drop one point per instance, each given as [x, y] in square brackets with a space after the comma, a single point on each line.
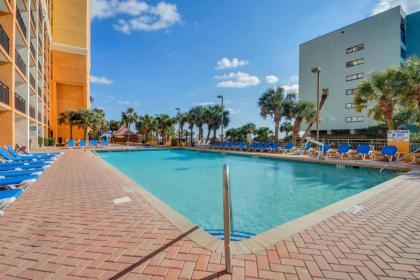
[227, 217]
[398, 160]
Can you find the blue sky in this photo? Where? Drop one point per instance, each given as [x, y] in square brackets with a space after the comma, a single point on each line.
[155, 56]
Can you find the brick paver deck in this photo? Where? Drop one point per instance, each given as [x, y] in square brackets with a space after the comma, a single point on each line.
[67, 227]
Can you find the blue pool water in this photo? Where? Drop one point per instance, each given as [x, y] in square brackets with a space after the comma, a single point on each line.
[265, 192]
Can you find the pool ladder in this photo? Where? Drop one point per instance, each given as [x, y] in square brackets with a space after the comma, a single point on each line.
[398, 160]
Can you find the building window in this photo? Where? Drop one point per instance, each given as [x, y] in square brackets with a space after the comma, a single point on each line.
[403, 33]
[403, 54]
[354, 119]
[355, 62]
[350, 105]
[351, 91]
[356, 48]
[354, 77]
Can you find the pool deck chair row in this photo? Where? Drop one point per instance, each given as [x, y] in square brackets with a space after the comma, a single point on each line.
[86, 144]
[19, 170]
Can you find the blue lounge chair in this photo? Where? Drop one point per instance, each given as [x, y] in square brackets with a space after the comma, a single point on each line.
[82, 143]
[12, 182]
[17, 173]
[93, 143]
[343, 149]
[362, 150]
[288, 147]
[326, 148]
[70, 144]
[9, 166]
[104, 143]
[307, 149]
[7, 197]
[8, 157]
[15, 154]
[22, 149]
[388, 152]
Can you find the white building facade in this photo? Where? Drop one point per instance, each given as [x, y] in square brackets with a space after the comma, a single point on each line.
[347, 56]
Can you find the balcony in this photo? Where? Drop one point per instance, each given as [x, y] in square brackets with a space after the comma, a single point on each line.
[4, 39]
[39, 92]
[39, 67]
[39, 117]
[4, 93]
[20, 21]
[33, 19]
[20, 103]
[20, 63]
[32, 111]
[32, 80]
[33, 50]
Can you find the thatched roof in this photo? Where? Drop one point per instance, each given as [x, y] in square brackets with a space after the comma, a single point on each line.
[123, 131]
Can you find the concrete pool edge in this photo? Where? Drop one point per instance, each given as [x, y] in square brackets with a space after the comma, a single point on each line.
[270, 237]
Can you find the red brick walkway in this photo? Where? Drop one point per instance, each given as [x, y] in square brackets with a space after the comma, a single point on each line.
[67, 227]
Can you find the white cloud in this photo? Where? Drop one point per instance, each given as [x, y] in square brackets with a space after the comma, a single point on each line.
[271, 79]
[226, 63]
[141, 16]
[237, 80]
[233, 111]
[100, 80]
[409, 6]
[291, 88]
[203, 103]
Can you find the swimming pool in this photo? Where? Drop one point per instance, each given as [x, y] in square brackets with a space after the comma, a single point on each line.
[265, 192]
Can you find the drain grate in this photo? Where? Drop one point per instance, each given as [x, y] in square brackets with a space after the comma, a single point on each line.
[354, 209]
[235, 235]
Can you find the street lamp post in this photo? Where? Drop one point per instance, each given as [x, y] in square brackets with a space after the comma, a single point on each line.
[223, 110]
[316, 70]
[178, 110]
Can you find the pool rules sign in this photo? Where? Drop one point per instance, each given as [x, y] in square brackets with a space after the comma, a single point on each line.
[399, 138]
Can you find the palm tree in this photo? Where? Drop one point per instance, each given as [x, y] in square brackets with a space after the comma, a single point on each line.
[114, 125]
[199, 114]
[310, 123]
[273, 104]
[379, 94]
[165, 125]
[263, 133]
[191, 123]
[128, 118]
[89, 119]
[218, 120]
[411, 83]
[145, 125]
[70, 118]
[233, 134]
[301, 111]
[181, 119]
[286, 127]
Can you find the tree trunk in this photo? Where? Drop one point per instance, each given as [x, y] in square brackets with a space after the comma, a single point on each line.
[310, 124]
[71, 131]
[191, 135]
[214, 133]
[276, 130]
[418, 102]
[388, 112]
[86, 133]
[296, 129]
[208, 133]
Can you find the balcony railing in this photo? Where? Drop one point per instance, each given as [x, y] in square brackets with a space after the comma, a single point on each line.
[32, 111]
[39, 92]
[20, 103]
[33, 50]
[45, 98]
[39, 116]
[33, 19]
[4, 39]
[39, 67]
[20, 63]
[20, 21]
[32, 80]
[4, 93]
